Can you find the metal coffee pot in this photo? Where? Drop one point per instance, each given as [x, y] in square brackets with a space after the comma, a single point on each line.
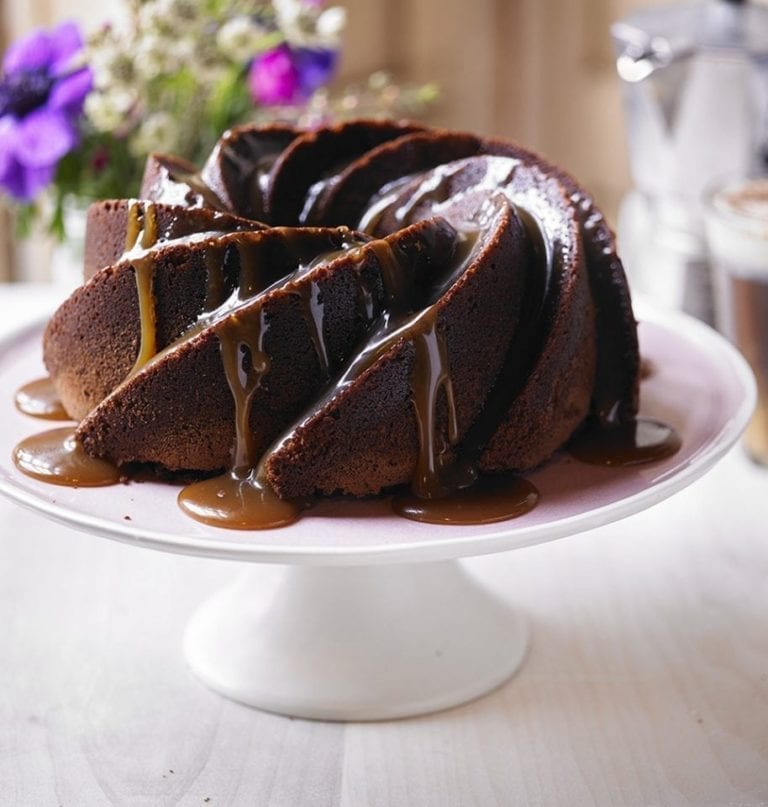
[695, 85]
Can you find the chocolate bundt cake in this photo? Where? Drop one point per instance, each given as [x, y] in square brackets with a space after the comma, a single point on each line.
[346, 310]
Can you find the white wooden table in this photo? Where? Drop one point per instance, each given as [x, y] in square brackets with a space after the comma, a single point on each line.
[646, 683]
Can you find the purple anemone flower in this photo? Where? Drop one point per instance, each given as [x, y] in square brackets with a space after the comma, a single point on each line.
[287, 75]
[41, 98]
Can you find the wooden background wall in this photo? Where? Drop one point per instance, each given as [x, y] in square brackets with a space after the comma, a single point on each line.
[540, 71]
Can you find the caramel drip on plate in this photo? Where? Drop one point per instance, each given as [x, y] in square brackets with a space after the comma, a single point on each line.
[39, 399]
[57, 457]
[245, 363]
[144, 270]
[633, 443]
[647, 369]
[431, 374]
[490, 499]
[239, 503]
[241, 498]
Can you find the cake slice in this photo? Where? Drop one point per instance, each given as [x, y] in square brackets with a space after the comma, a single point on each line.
[127, 312]
[402, 405]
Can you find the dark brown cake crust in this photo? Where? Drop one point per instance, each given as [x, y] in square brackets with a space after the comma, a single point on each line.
[353, 188]
[617, 375]
[318, 154]
[240, 164]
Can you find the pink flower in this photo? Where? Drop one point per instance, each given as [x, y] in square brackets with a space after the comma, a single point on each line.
[286, 75]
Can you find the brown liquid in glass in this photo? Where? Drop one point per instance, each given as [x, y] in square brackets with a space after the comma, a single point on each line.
[749, 311]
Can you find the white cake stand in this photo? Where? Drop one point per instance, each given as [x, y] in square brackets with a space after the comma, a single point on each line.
[373, 617]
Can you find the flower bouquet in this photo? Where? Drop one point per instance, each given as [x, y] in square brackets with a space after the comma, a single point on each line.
[78, 115]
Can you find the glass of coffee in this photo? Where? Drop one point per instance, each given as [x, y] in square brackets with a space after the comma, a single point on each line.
[736, 220]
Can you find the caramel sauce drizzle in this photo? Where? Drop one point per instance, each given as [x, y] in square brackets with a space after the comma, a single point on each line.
[623, 444]
[431, 373]
[396, 281]
[490, 499]
[57, 457]
[240, 498]
[133, 225]
[243, 498]
[39, 399]
[142, 233]
[250, 278]
[245, 363]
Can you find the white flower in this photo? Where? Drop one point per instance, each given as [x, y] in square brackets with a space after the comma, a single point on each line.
[169, 17]
[308, 25]
[107, 111]
[184, 50]
[99, 64]
[151, 16]
[153, 56]
[331, 23]
[109, 65]
[178, 12]
[239, 38]
[159, 132]
[288, 12]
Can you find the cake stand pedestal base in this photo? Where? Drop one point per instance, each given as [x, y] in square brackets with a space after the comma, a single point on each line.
[355, 642]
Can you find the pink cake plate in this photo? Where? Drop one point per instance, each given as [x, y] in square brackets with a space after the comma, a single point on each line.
[373, 617]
